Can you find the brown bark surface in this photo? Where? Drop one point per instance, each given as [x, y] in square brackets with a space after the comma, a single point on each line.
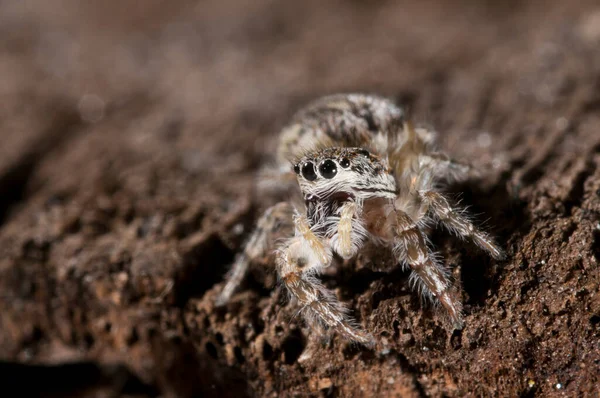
[130, 135]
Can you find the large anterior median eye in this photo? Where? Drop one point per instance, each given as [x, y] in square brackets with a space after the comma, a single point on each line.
[308, 171]
[328, 168]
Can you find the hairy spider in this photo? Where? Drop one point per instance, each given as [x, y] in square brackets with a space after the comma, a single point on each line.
[365, 174]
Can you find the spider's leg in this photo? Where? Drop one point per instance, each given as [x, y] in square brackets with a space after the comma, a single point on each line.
[446, 168]
[297, 265]
[318, 248]
[276, 181]
[317, 337]
[418, 146]
[458, 223]
[276, 218]
[430, 276]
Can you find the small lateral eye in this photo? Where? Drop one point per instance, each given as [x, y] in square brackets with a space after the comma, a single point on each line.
[364, 152]
[345, 163]
[297, 168]
[308, 171]
[328, 168]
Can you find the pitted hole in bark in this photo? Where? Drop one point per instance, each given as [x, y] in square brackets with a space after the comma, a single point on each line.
[456, 339]
[219, 338]
[202, 267]
[292, 348]
[239, 355]
[596, 245]
[133, 337]
[359, 282]
[89, 340]
[211, 350]
[267, 351]
[354, 351]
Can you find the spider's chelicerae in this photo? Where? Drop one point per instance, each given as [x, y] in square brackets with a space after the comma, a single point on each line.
[365, 174]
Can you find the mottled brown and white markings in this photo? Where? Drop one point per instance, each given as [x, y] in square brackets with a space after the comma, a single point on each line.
[365, 174]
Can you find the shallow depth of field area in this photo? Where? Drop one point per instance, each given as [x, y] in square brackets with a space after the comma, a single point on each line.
[130, 137]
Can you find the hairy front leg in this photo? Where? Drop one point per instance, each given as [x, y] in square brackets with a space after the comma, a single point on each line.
[297, 268]
[430, 276]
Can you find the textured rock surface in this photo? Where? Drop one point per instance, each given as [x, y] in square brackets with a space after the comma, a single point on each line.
[130, 137]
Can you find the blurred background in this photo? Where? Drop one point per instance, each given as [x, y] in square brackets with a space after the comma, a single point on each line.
[130, 132]
[216, 68]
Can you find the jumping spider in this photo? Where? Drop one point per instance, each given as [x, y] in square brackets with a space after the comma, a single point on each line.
[365, 174]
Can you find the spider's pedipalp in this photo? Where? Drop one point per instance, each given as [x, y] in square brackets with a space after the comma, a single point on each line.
[459, 224]
[430, 277]
[348, 239]
[276, 218]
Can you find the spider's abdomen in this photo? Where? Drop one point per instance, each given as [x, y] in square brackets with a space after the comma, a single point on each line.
[353, 120]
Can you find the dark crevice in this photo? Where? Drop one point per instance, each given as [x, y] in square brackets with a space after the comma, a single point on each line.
[596, 245]
[267, 351]
[406, 366]
[185, 372]
[577, 191]
[190, 225]
[211, 350]
[535, 168]
[407, 101]
[292, 347]
[14, 183]
[255, 282]
[569, 230]
[359, 281]
[354, 351]
[70, 379]
[477, 276]
[202, 267]
[502, 221]
[220, 339]
[239, 355]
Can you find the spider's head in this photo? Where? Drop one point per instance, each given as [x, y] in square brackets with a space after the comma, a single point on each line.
[344, 173]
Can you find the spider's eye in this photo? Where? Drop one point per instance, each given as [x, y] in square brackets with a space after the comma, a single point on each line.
[297, 169]
[345, 163]
[328, 168]
[364, 152]
[308, 171]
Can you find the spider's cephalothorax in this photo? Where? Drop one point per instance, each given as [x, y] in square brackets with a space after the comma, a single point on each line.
[344, 172]
[364, 175]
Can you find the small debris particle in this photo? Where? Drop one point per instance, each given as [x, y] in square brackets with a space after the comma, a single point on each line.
[325, 383]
